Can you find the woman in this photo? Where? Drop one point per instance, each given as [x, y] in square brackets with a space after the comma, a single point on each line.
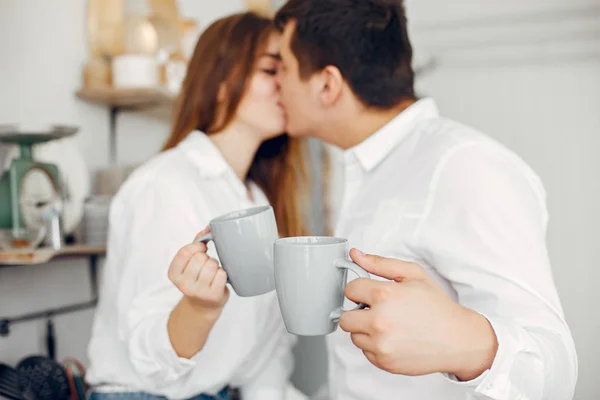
[190, 338]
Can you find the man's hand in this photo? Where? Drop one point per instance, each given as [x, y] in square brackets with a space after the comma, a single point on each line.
[412, 327]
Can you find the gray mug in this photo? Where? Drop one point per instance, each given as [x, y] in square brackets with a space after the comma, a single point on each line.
[310, 277]
[244, 242]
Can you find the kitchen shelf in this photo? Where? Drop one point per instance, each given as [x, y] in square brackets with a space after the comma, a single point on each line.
[117, 100]
[45, 255]
[127, 98]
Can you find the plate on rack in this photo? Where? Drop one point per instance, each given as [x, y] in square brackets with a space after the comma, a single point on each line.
[15, 133]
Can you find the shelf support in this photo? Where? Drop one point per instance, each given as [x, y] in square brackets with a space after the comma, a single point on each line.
[5, 322]
[113, 113]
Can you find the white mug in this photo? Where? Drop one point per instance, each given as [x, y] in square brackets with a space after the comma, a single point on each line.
[134, 71]
[244, 241]
[310, 277]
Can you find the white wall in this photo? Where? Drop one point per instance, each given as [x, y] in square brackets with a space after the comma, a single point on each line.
[533, 82]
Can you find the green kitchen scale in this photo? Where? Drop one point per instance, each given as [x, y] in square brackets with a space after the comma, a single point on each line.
[28, 187]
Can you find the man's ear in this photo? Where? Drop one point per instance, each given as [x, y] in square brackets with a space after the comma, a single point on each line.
[332, 83]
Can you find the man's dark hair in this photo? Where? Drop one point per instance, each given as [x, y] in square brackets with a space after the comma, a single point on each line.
[367, 40]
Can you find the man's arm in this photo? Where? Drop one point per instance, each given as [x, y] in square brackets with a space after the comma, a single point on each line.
[485, 233]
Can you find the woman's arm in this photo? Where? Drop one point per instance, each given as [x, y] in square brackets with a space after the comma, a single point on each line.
[149, 225]
[203, 284]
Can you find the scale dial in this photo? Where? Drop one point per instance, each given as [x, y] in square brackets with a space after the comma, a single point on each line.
[38, 193]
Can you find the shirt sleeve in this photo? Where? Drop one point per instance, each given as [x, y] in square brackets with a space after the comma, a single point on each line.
[484, 231]
[147, 229]
[268, 375]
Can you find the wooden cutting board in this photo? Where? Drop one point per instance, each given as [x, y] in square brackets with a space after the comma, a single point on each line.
[261, 7]
[166, 20]
[106, 25]
[105, 28]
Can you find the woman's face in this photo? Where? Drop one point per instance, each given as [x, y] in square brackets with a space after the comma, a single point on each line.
[260, 108]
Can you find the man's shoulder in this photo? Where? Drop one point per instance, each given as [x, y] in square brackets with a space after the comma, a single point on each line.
[447, 149]
[442, 140]
[442, 135]
[463, 157]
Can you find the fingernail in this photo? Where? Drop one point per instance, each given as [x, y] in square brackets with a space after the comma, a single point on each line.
[360, 253]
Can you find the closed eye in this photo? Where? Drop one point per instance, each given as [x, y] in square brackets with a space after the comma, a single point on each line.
[270, 71]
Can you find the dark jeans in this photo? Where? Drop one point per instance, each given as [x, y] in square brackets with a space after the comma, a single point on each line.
[224, 395]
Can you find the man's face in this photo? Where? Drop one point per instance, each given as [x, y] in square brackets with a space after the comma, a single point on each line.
[299, 97]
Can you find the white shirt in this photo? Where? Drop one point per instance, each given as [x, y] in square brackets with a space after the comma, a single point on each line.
[159, 210]
[431, 191]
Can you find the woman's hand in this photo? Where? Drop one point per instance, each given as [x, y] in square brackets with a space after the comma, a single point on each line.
[199, 277]
[204, 287]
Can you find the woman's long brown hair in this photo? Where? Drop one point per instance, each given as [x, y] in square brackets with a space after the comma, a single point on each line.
[226, 53]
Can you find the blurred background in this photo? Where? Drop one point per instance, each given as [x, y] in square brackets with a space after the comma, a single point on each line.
[526, 73]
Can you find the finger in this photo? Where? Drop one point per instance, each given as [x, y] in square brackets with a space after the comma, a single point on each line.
[226, 294]
[363, 342]
[183, 256]
[368, 291]
[208, 273]
[202, 233]
[220, 281]
[193, 268]
[356, 321]
[218, 286]
[388, 268]
[372, 358]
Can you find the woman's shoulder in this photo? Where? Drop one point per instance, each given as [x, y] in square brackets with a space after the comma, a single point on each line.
[164, 173]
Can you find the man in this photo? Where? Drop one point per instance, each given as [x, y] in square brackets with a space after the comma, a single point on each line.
[472, 310]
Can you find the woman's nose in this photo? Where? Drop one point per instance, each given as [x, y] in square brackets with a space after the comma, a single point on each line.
[278, 80]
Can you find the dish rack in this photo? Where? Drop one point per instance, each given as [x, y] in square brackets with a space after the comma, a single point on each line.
[9, 384]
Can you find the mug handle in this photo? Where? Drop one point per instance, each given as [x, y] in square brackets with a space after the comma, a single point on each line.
[349, 265]
[205, 238]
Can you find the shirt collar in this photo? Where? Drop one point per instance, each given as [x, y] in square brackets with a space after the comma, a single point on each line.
[378, 146]
[203, 153]
[211, 164]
